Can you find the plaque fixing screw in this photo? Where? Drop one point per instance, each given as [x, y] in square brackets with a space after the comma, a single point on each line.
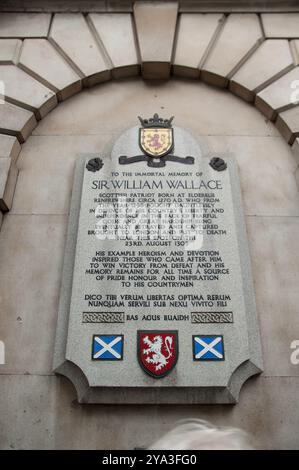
[94, 164]
[218, 164]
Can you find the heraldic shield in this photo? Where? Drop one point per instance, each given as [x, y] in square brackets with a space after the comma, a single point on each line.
[156, 142]
[157, 351]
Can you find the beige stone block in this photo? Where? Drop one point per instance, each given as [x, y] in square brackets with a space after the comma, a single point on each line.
[240, 36]
[155, 25]
[269, 62]
[8, 178]
[46, 166]
[203, 109]
[266, 167]
[275, 264]
[16, 121]
[115, 32]
[196, 34]
[281, 25]
[72, 36]
[31, 254]
[41, 60]
[280, 95]
[23, 90]
[22, 25]
[287, 123]
[9, 147]
[9, 51]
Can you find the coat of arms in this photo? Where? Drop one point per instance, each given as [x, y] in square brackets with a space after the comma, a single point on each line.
[157, 351]
[156, 140]
[156, 136]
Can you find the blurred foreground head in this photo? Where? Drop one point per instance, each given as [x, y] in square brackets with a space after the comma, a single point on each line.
[201, 435]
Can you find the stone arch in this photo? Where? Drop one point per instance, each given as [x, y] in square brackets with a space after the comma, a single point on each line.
[54, 56]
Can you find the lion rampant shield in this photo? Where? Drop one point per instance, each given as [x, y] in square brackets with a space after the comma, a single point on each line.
[157, 351]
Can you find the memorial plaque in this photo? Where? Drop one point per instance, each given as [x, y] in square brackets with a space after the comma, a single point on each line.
[157, 303]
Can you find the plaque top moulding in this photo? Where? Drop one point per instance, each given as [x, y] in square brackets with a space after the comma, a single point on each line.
[157, 302]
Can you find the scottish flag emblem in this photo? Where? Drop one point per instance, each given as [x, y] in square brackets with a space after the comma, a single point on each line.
[208, 348]
[107, 347]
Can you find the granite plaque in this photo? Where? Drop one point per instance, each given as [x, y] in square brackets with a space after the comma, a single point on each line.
[157, 302]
